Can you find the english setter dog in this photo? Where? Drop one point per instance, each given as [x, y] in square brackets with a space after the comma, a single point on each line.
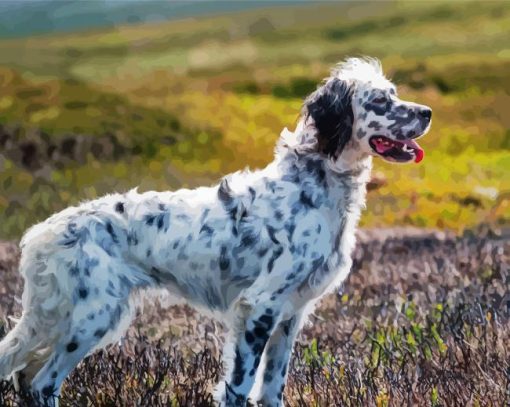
[257, 251]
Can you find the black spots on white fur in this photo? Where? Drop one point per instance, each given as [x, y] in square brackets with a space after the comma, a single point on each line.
[361, 133]
[73, 235]
[277, 252]
[111, 232]
[99, 333]
[83, 293]
[224, 260]
[256, 363]
[74, 270]
[88, 264]
[252, 193]
[115, 316]
[263, 251]
[72, 346]
[316, 169]
[248, 238]
[119, 207]
[271, 231]
[267, 319]
[306, 200]
[226, 197]
[225, 194]
[234, 399]
[106, 238]
[249, 337]
[290, 227]
[83, 266]
[206, 230]
[48, 391]
[378, 108]
[239, 371]
[149, 220]
[375, 125]
[54, 375]
[316, 264]
[132, 238]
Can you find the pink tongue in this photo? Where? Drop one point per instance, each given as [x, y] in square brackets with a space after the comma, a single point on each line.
[381, 148]
[417, 150]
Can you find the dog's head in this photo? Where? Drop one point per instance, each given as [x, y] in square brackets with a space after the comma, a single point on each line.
[357, 108]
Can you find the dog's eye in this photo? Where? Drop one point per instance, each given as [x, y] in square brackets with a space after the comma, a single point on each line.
[381, 99]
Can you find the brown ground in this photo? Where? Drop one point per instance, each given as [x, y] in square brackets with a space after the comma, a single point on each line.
[424, 319]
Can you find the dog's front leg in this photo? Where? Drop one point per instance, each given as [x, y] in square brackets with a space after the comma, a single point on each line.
[277, 355]
[255, 324]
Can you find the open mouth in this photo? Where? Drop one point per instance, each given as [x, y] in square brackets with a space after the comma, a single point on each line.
[399, 151]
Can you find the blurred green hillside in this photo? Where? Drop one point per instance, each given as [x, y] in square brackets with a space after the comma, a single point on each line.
[164, 105]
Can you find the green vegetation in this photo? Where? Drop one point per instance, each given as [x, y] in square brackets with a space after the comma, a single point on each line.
[422, 320]
[180, 103]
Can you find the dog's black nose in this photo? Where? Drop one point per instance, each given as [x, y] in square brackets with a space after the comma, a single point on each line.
[426, 113]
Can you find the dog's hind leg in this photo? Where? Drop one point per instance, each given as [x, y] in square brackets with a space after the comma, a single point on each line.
[18, 344]
[100, 325]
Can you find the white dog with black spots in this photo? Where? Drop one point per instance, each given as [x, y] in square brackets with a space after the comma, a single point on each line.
[257, 251]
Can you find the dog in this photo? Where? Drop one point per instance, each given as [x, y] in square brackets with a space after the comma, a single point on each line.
[257, 251]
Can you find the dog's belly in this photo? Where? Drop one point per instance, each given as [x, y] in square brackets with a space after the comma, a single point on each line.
[204, 261]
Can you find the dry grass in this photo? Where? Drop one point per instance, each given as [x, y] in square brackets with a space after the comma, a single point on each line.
[424, 319]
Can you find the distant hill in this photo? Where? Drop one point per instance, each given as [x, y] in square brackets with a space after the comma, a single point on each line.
[31, 17]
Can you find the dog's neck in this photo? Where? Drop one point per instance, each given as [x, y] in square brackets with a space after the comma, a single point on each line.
[302, 145]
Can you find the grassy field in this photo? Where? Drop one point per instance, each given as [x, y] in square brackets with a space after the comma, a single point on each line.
[424, 318]
[180, 103]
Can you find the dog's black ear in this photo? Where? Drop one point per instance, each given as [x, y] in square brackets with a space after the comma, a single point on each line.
[330, 107]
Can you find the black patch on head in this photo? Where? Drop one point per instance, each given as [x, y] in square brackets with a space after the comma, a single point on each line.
[331, 110]
[72, 346]
[119, 207]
